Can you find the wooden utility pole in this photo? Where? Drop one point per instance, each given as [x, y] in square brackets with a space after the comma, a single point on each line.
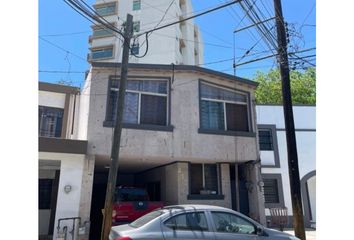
[112, 176]
[295, 186]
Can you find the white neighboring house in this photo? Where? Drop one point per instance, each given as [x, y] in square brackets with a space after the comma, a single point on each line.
[272, 139]
[177, 44]
[65, 171]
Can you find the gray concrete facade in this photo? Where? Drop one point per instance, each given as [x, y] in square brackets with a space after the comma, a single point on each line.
[164, 154]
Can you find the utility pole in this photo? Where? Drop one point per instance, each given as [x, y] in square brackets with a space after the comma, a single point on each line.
[295, 186]
[112, 176]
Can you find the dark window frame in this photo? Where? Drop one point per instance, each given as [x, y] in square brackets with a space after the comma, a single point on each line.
[205, 196]
[108, 122]
[60, 133]
[249, 133]
[272, 128]
[267, 145]
[280, 191]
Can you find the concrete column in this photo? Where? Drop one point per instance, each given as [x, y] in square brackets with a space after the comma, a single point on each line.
[68, 204]
[255, 192]
[86, 194]
[225, 184]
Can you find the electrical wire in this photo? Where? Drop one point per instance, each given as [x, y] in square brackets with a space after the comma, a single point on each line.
[191, 17]
[53, 44]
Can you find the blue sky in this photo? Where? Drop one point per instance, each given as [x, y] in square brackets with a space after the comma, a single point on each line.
[63, 37]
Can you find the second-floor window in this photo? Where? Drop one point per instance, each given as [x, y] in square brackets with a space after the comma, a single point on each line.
[265, 140]
[223, 109]
[50, 121]
[146, 102]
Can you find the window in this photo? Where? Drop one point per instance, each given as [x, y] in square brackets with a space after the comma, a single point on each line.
[271, 194]
[223, 109]
[265, 140]
[102, 32]
[106, 9]
[136, 26]
[102, 53]
[135, 49]
[44, 193]
[204, 179]
[195, 221]
[145, 102]
[273, 190]
[231, 223]
[136, 5]
[50, 121]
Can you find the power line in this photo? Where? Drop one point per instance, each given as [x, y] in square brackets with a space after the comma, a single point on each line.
[64, 34]
[53, 44]
[308, 15]
[191, 17]
[201, 29]
[91, 14]
[147, 34]
[59, 71]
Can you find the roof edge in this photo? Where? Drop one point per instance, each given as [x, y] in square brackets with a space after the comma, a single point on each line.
[175, 67]
[58, 88]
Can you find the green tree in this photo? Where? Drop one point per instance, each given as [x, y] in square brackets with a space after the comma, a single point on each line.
[303, 87]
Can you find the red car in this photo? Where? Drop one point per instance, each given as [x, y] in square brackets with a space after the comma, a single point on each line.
[130, 204]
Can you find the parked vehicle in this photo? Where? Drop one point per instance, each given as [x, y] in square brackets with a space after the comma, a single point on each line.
[131, 203]
[195, 222]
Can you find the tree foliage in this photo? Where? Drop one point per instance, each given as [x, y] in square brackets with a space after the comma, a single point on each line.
[303, 87]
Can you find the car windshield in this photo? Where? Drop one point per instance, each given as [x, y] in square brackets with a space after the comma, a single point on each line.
[131, 194]
[146, 218]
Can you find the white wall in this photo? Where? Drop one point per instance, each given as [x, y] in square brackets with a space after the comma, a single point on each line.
[162, 43]
[71, 173]
[83, 108]
[305, 127]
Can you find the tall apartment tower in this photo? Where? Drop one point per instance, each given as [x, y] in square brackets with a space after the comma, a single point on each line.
[178, 44]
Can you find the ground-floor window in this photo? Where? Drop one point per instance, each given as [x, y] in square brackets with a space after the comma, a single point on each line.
[204, 179]
[273, 190]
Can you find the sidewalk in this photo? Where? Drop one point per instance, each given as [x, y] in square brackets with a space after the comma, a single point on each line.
[310, 233]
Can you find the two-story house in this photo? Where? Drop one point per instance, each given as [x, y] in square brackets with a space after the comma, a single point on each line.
[65, 171]
[189, 136]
